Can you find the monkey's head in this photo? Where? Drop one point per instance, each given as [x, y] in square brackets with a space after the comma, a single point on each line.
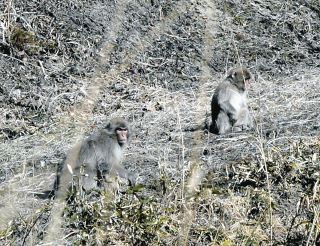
[240, 77]
[119, 129]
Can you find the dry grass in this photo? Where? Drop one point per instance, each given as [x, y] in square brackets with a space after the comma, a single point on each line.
[158, 65]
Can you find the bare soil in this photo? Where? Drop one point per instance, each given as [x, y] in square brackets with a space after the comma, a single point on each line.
[68, 66]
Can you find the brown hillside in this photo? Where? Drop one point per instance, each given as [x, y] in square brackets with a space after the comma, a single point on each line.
[67, 66]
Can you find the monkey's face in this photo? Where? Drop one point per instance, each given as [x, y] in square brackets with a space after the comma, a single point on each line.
[247, 81]
[122, 135]
[246, 77]
[119, 129]
[242, 77]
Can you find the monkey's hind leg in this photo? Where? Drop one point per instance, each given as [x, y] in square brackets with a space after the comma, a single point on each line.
[223, 123]
[244, 121]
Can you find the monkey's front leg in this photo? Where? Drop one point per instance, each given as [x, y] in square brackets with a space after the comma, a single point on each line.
[119, 170]
[244, 121]
[87, 177]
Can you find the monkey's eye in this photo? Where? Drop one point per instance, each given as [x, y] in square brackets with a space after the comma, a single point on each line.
[121, 129]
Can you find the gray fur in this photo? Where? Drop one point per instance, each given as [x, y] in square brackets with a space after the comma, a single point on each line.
[229, 107]
[101, 155]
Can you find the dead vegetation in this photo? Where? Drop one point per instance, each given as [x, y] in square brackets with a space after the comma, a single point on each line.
[66, 66]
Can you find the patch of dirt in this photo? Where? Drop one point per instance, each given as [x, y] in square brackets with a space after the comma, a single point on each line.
[66, 67]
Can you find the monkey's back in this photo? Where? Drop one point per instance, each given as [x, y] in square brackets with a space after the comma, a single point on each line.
[215, 109]
[221, 94]
[100, 149]
[216, 98]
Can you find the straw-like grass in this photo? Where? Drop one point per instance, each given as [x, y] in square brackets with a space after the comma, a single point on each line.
[67, 67]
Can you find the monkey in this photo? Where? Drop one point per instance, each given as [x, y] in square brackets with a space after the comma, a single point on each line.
[88, 165]
[101, 154]
[229, 109]
[90, 162]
